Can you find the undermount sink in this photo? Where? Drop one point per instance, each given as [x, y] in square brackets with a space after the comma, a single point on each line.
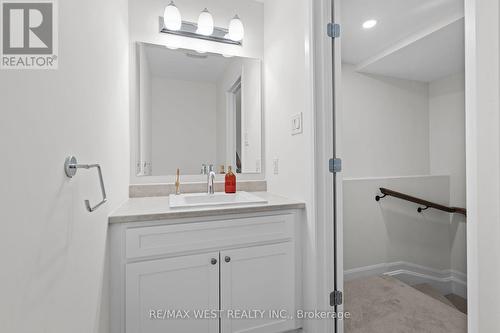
[216, 199]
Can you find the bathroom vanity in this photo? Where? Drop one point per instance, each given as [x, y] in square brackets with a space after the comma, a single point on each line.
[233, 268]
[198, 263]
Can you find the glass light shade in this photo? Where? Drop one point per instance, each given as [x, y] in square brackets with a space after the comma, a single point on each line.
[236, 29]
[205, 23]
[172, 17]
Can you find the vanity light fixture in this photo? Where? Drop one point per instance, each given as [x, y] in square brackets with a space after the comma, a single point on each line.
[369, 24]
[172, 17]
[171, 23]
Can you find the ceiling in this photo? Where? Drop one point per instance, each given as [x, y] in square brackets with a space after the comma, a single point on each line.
[414, 39]
[185, 64]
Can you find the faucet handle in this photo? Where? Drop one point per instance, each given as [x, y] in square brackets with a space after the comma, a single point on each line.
[178, 182]
[211, 168]
[204, 169]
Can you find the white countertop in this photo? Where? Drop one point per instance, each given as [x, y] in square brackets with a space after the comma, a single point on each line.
[157, 208]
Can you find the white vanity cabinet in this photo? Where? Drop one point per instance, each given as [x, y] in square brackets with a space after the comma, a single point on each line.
[233, 273]
[258, 278]
[156, 286]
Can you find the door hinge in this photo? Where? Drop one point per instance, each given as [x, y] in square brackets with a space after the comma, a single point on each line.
[335, 165]
[335, 298]
[333, 30]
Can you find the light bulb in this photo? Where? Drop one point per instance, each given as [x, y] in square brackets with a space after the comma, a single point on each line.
[172, 17]
[205, 23]
[236, 29]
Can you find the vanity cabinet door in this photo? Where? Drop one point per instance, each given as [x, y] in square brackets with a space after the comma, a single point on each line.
[158, 292]
[258, 278]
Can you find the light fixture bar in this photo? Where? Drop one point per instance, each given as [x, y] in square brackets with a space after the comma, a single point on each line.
[188, 29]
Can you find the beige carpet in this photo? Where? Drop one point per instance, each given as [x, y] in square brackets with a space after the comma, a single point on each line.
[387, 305]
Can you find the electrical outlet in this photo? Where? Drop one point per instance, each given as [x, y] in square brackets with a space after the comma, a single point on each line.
[246, 140]
[296, 124]
[276, 166]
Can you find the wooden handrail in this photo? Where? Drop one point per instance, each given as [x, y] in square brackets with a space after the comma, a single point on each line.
[427, 204]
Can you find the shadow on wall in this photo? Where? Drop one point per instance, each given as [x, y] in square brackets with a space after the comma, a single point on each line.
[52, 248]
[392, 230]
[456, 219]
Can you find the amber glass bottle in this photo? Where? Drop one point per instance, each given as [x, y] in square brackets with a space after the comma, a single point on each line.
[230, 181]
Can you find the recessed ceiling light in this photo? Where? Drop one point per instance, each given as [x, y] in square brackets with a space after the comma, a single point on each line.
[369, 24]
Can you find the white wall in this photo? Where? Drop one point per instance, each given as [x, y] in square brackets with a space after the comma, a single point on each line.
[482, 54]
[392, 230]
[394, 128]
[385, 125]
[288, 91]
[144, 24]
[184, 125]
[447, 132]
[52, 250]
[447, 153]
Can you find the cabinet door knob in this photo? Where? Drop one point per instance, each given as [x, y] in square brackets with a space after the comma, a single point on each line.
[227, 259]
[213, 261]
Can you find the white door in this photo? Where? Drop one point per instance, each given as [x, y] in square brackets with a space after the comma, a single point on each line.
[158, 293]
[258, 278]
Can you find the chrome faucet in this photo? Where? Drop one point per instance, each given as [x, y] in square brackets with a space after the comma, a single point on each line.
[211, 180]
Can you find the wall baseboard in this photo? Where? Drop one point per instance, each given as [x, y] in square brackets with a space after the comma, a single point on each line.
[447, 281]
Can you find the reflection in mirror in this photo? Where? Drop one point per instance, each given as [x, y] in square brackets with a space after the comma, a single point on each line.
[198, 109]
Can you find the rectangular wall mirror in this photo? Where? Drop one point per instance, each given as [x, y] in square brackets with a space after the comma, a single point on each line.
[197, 109]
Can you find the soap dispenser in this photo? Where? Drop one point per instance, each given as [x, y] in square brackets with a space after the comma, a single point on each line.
[230, 184]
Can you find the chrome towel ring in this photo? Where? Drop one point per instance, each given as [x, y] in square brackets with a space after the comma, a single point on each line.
[71, 166]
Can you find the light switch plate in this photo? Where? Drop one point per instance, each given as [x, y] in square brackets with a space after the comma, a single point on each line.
[296, 124]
